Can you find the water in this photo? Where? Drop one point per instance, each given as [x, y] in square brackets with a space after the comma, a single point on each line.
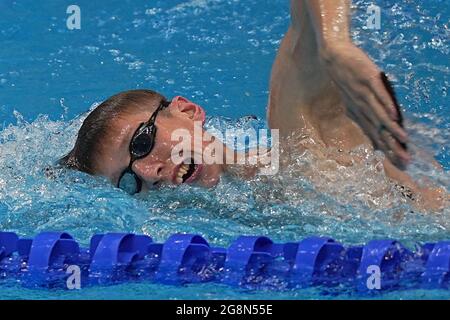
[219, 54]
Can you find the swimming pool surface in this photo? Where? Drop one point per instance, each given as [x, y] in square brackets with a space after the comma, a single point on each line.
[218, 53]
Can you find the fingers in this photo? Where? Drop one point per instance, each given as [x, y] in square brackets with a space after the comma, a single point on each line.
[374, 111]
[368, 129]
[374, 107]
[385, 94]
[383, 119]
[381, 139]
[366, 99]
[385, 98]
[397, 148]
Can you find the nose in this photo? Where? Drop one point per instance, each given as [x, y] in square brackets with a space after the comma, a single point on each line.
[150, 171]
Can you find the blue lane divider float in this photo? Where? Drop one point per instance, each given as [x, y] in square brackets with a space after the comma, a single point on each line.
[250, 261]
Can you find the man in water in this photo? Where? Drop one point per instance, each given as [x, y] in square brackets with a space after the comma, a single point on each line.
[322, 87]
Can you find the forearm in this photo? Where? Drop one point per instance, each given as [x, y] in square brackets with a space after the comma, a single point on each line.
[331, 21]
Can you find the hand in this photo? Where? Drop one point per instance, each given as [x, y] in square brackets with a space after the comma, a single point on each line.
[368, 99]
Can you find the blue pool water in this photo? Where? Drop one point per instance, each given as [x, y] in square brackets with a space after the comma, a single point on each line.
[219, 54]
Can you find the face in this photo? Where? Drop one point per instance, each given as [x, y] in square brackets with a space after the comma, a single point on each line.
[160, 166]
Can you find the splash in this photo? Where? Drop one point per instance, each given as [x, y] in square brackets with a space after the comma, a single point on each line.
[352, 204]
[212, 68]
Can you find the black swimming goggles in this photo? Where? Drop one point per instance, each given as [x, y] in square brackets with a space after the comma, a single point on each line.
[141, 145]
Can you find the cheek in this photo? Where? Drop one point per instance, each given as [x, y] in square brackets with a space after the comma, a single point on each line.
[145, 165]
[181, 130]
[181, 138]
[166, 151]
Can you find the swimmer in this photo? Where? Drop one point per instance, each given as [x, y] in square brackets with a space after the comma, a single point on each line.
[322, 86]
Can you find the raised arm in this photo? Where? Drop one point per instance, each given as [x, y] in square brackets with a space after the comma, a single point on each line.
[319, 74]
[330, 20]
[365, 90]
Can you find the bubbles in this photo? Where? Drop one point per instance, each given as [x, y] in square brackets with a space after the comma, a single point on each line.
[303, 200]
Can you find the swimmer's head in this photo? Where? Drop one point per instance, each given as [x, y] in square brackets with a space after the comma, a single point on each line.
[129, 139]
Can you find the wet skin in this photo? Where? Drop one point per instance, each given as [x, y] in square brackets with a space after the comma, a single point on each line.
[324, 87]
[321, 86]
[158, 168]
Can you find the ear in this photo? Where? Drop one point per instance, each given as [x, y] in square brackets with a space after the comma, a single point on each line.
[188, 109]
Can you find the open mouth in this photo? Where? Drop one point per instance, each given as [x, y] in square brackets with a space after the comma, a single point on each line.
[186, 171]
